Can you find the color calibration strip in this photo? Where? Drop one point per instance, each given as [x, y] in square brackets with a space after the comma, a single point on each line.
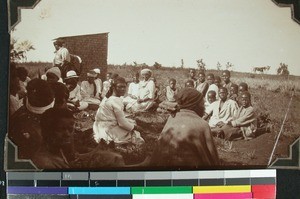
[233, 184]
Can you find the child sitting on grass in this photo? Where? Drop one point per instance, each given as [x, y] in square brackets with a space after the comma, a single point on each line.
[211, 97]
[233, 92]
[133, 90]
[169, 103]
[212, 87]
[106, 85]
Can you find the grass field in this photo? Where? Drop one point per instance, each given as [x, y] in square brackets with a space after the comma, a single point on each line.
[270, 96]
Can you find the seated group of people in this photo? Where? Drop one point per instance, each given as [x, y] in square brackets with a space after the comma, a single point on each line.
[228, 107]
[43, 126]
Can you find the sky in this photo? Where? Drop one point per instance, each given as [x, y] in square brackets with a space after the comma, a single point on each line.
[247, 33]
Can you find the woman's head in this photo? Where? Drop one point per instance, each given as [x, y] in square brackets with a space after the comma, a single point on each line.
[189, 98]
[53, 74]
[118, 87]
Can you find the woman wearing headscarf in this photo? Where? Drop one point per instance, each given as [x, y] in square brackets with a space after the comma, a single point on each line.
[110, 122]
[186, 139]
[146, 93]
[52, 74]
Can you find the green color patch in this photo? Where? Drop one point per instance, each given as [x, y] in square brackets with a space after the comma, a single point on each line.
[162, 190]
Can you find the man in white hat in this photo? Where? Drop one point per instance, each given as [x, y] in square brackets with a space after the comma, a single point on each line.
[98, 82]
[75, 98]
[89, 89]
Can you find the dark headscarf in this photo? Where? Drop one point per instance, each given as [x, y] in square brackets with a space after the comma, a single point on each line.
[188, 98]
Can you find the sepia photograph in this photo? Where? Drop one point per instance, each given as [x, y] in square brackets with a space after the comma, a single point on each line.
[155, 85]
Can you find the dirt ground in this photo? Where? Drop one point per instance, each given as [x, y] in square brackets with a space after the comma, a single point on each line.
[241, 153]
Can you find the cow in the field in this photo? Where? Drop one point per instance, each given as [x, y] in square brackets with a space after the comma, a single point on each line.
[261, 69]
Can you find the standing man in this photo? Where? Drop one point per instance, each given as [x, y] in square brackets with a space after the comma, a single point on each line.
[62, 56]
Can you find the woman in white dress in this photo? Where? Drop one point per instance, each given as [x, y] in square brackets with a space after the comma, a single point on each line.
[110, 122]
[146, 94]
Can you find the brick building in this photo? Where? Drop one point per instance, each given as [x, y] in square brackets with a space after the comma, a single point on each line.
[92, 49]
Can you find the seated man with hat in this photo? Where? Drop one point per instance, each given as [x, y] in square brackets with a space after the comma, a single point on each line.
[89, 89]
[75, 98]
[146, 93]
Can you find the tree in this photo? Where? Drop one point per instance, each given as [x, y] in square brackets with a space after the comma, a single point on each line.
[219, 66]
[18, 50]
[283, 70]
[182, 63]
[157, 65]
[201, 64]
[229, 66]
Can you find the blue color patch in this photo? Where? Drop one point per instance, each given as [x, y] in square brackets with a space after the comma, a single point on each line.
[99, 190]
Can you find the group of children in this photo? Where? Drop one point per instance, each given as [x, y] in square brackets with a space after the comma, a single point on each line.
[228, 107]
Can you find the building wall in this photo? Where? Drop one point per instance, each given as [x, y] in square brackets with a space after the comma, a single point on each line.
[92, 49]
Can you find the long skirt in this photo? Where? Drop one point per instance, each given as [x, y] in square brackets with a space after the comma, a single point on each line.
[104, 130]
[134, 106]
